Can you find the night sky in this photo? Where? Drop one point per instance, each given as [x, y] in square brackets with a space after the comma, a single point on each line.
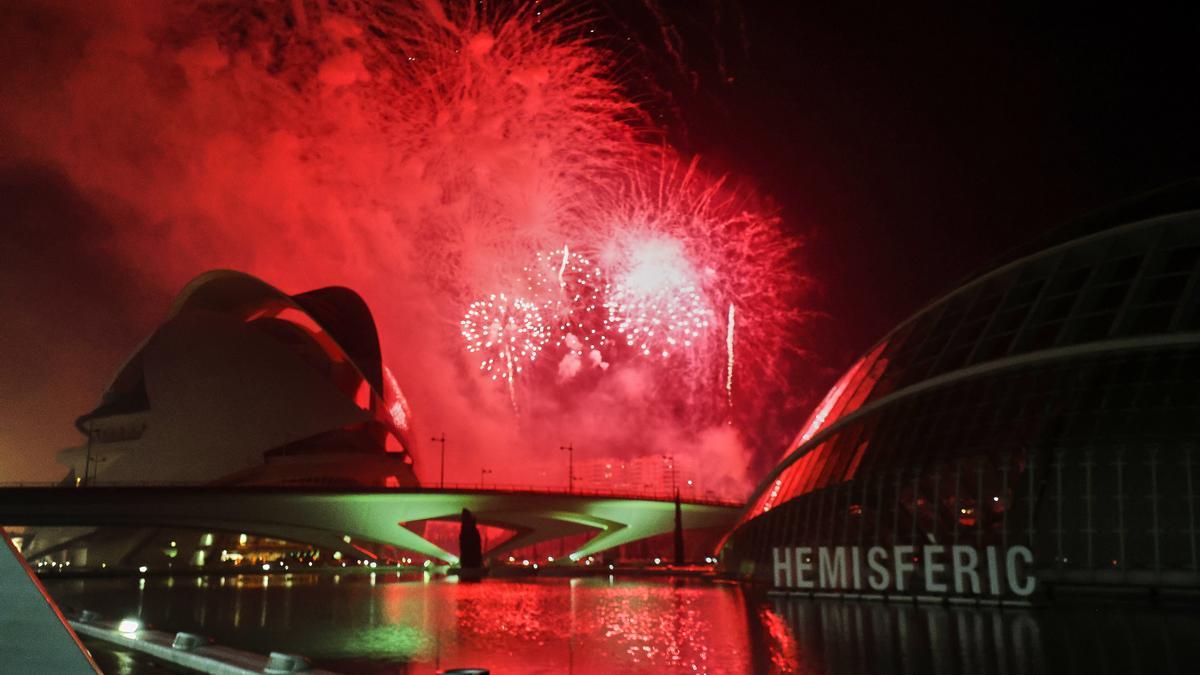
[907, 147]
[915, 146]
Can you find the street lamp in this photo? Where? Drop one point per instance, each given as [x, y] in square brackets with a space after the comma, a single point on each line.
[442, 440]
[671, 459]
[570, 448]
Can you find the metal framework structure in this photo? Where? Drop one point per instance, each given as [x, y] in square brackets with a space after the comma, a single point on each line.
[1050, 403]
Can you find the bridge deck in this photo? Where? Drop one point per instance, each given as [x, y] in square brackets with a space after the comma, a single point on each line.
[334, 518]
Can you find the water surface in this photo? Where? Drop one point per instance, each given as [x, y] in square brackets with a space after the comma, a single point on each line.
[390, 623]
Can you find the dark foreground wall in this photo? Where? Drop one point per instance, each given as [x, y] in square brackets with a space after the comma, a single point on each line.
[34, 637]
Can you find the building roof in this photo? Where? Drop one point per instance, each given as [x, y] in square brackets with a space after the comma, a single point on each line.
[241, 375]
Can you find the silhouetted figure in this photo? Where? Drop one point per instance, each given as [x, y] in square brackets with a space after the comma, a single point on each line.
[469, 545]
[678, 530]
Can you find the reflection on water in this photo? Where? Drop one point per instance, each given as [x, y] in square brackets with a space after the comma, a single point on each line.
[386, 623]
[823, 636]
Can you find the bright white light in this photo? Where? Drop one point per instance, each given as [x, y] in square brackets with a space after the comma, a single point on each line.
[658, 561]
[266, 567]
[337, 555]
[525, 562]
[372, 565]
[995, 499]
[535, 566]
[129, 626]
[656, 266]
[549, 558]
[242, 539]
[143, 569]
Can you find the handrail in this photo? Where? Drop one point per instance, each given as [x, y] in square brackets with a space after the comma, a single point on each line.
[499, 488]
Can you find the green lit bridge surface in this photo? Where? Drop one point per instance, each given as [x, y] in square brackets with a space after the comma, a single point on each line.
[334, 518]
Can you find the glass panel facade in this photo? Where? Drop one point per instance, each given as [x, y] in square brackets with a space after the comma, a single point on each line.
[1127, 284]
[1058, 409]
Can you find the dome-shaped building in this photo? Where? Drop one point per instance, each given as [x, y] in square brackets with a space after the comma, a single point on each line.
[1035, 431]
[245, 384]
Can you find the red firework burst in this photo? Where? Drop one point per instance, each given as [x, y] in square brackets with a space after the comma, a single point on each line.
[508, 332]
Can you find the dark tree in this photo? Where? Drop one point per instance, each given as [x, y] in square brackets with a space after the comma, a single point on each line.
[469, 546]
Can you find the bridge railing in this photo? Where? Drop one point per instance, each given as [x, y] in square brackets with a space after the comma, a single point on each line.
[506, 488]
[653, 495]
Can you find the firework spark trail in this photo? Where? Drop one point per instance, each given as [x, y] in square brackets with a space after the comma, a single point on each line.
[571, 294]
[509, 329]
[724, 242]
[729, 358]
[511, 380]
[514, 135]
[655, 302]
[422, 153]
[509, 134]
[492, 122]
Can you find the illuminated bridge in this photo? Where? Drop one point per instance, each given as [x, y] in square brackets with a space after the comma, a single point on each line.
[336, 518]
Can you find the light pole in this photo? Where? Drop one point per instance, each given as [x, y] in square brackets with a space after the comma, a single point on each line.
[570, 448]
[442, 440]
[482, 473]
[671, 459]
[87, 462]
[96, 467]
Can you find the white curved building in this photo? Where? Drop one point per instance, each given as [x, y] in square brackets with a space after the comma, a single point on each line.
[244, 384]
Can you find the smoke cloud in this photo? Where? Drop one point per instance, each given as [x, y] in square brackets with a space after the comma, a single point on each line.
[418, 153]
